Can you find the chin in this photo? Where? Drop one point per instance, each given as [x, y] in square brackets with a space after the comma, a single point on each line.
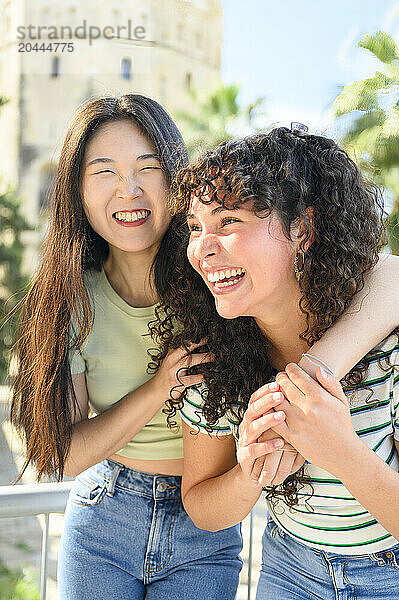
[228, 312]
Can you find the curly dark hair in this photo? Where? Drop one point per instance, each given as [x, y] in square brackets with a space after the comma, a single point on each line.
[286, 172]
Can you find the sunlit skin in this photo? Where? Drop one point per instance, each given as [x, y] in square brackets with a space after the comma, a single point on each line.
[315, 419]
[239, 238]
[121, 172]
[126, 176]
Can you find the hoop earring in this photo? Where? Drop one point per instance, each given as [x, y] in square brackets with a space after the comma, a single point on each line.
[299, 264]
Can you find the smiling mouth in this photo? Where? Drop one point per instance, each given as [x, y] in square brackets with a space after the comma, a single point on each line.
[134, 216]
[225, 278]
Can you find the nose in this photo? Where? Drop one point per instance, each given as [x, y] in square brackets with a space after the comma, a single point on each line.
[129, 188]
[207, 246]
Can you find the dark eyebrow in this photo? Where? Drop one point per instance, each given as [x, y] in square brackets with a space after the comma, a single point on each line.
[106, 160]
[218, 209]
[100, 160]
[147, 156]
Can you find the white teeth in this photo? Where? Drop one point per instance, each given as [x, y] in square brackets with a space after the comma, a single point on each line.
[219, 275]
[129, 217]
[228, 283]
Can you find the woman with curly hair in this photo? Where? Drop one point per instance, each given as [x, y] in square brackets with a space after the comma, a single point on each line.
[283, 230]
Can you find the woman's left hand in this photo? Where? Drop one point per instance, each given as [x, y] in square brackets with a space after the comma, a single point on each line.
[282, 462]
[272, 468]
[318, 422]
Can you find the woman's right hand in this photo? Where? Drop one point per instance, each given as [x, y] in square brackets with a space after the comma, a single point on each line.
[258, 418]
[173, 370]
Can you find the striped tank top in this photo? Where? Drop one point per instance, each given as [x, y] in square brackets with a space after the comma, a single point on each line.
[330, 519]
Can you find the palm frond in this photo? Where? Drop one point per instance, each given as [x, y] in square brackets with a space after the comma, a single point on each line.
[390, 127]
[381, 45]
[215, 116]
[375, 118]
[361, 95]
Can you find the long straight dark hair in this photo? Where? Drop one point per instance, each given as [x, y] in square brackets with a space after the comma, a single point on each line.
[43, 402]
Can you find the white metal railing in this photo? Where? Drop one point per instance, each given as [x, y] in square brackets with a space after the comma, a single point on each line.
[33, 500]
[47, 498]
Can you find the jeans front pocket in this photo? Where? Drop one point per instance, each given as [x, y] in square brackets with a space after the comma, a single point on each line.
[272, 528]
[87, 492]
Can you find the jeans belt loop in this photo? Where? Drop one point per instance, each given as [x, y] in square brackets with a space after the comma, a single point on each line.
[112, 481]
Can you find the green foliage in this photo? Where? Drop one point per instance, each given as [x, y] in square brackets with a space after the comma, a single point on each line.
[216, 117]
[372, 137]
[18, 584]
[23, 546]
[12, 224]
[381, 45]
[393, 232]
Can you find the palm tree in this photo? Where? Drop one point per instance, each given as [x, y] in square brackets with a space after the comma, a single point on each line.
[217, 117]
[372, 136]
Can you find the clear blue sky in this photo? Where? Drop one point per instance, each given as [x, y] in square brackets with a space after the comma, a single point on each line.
[298, 52]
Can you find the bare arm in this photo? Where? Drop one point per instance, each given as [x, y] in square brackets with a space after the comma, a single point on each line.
[372, 315]
[356, 474]
[95, 439]
[98, 438]
[216, 494]
[319, 424]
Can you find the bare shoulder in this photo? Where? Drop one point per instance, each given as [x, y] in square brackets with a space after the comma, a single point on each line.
[387, 262]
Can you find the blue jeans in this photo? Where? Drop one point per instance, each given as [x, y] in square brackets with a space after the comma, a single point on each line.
[291, 570]
[127, 536]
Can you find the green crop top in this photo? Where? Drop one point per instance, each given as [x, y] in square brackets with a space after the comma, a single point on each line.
[114, 359]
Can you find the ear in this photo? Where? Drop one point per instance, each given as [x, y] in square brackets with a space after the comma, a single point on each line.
[305, 233]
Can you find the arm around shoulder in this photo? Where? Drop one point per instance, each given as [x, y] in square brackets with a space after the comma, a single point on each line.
[371, 316]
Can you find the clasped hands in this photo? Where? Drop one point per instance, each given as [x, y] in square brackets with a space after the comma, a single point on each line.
[293, 419]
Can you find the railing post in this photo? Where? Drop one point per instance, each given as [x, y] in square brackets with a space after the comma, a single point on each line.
[251, 524]
[43, 566]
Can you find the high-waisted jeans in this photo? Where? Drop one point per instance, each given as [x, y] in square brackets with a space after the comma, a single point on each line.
[127, 537]
[293, 571]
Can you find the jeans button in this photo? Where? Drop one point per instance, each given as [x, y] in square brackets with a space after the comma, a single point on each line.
[162, 486]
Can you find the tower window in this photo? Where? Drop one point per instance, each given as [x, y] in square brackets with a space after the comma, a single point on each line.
[55, 66]
[126, 68]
